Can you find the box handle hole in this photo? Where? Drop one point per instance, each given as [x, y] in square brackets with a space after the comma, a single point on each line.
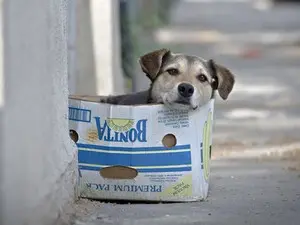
[118, 172]
[169, 140]
[73, 135]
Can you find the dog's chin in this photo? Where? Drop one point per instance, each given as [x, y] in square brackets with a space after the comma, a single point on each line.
[180, 105]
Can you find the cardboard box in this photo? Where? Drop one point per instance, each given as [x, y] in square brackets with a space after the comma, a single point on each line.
[145, 152]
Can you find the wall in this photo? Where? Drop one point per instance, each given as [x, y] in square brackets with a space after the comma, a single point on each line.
[98, 53]
[1, 62]
[2, 193]
[38, 161]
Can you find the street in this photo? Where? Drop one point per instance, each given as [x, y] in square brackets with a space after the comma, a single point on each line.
[259, 119]
[242, 192]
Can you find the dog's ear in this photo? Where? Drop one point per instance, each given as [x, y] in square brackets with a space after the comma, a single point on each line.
[225, 79]
[152, 62]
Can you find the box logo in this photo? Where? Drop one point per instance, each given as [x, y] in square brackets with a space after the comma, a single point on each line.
[121, 130]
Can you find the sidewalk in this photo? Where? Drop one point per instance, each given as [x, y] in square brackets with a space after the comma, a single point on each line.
[243, 191]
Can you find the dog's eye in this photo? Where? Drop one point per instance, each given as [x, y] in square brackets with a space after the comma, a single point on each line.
[202, 78]
[173, 71]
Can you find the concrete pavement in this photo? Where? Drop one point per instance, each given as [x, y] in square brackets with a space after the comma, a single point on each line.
[241, 192]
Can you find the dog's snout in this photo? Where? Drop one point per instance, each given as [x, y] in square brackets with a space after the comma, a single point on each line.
[185, 90]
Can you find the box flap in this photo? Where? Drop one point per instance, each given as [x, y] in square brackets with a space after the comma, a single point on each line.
[89, 98]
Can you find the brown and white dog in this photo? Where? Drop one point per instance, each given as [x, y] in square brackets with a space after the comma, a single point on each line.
[179, 81]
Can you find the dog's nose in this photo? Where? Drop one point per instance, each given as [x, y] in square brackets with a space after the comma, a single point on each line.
[185, 90]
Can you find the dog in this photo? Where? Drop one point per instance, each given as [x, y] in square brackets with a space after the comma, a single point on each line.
[178, 81]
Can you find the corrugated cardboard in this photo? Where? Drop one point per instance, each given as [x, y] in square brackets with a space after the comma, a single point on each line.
[144, 152]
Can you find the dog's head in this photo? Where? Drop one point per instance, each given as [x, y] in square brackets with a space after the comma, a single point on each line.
[184, 82]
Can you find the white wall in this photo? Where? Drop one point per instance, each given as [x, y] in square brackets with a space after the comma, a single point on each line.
[1, 61]
[38, 160]
[98, 51]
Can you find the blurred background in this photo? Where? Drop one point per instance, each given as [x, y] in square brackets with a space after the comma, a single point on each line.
[259, 40]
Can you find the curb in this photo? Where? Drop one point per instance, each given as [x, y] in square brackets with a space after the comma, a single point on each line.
[258, 152]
